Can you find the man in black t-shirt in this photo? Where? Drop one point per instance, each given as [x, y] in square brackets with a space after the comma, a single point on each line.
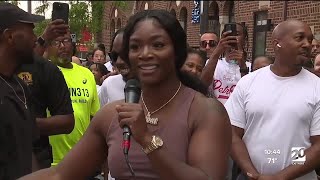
[17, 128]
[17, 125]
[49, 91]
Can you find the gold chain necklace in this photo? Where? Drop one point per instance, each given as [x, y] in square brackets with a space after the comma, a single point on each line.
[24, 95]
[154, 121]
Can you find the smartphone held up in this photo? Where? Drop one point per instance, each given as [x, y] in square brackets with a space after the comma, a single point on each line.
[60, 11]
[232, 28]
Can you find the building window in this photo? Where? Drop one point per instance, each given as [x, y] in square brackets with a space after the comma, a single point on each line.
[260, 33]
[146, 6]
[118, 25]
[260, 44]
[112, 28]
[231, 12]
[178, 3]
[115, 13]
[213, 18]
[173, 12]
[183, 18]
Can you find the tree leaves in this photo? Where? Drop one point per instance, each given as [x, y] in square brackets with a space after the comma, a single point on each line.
[41, 26]
[14, 2]
[121, 4]
[40, 10]
[97, 16]
[80, 16]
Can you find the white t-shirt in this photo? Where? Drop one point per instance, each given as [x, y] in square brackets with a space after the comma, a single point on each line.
[276, 113]
[248, 64]
[98, 89]
[112, 89]
[108, 66]
[221, 86]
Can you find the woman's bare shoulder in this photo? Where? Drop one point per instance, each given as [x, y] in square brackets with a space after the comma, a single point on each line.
[111, 107]
[104, 117]
[203, 103]
[205, 109]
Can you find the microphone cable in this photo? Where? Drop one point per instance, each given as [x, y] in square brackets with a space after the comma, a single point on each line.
[126, 146]
[129, 166]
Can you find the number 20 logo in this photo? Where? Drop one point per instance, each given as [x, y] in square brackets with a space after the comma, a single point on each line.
[298, 155]
[297, 152]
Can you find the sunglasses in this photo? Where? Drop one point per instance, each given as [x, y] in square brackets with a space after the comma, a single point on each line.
[113, 56]
[211, 43]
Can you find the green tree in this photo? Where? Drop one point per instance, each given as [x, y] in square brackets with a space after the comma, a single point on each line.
[41, 26]
[80, 16]
[97, 16]
[41, 10]
[121, 4]
[15, 2]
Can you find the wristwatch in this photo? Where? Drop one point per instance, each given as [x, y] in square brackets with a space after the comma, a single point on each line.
[155, 143]
[41, 41]
[244, 70]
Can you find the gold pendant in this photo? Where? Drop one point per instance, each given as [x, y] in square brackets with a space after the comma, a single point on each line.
[149, 120]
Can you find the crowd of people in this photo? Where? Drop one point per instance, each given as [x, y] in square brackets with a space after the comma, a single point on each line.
[207, 113]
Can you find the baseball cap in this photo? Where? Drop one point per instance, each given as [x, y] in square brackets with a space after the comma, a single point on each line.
[11, 15]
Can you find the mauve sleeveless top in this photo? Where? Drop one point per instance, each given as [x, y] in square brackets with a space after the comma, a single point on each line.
[175, 134]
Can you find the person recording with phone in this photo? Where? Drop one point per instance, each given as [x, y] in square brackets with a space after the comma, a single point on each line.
[80, 82]
[57, 27]
[227, 63]
[54, 29]
[83, 94]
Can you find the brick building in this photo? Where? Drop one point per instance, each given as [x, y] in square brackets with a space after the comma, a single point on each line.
[258, 16]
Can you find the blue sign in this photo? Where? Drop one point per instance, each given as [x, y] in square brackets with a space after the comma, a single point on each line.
[195, 16]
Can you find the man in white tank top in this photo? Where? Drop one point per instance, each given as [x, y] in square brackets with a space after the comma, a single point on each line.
[275, 112]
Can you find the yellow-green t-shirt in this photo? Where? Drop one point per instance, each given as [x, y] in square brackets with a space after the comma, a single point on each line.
[85, 103]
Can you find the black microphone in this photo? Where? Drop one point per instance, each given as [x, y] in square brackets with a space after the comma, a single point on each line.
[132, 93]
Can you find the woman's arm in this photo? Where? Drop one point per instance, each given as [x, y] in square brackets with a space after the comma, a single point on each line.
[86, 156]
[209, 146]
